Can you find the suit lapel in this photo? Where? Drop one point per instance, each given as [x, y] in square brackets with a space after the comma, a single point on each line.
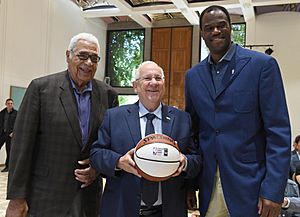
[232, 71]
[205, 75]
[133, 122]
[167, 120]
[68, 102]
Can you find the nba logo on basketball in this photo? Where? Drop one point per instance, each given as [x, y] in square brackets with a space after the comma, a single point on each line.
[157, 151]
[165, 152]
[157, 157]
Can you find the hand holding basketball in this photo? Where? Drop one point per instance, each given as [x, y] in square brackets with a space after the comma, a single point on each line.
[157, 157]
[182, 161]
[127, 164]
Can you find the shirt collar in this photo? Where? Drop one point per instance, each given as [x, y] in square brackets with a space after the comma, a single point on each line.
[87, 87]
[143, 111]
[227, 56]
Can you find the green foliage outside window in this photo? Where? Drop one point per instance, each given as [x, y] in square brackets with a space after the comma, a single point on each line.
[127, 99]
[125, 53]
[239, 33]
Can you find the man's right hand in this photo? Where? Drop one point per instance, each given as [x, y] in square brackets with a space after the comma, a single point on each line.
[17, 208]
[127, 163]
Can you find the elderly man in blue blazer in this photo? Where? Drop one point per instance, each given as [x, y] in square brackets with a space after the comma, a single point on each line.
[121, 130]
[237, 102]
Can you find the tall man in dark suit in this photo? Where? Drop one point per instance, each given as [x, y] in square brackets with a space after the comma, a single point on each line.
[56, 125]
[7, 120]
[237, 102]
[121, 130]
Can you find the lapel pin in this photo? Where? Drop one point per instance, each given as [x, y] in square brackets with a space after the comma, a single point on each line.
[168, 118]
[232, 71]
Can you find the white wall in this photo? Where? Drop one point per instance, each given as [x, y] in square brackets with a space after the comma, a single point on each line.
[34, 36]
[282, 30]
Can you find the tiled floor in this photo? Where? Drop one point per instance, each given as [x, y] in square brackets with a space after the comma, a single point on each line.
[3, 201]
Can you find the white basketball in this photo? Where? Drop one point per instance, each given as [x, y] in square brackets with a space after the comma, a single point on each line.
[157, 157]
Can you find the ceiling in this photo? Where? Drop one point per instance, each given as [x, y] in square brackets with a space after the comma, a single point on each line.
[146, 12]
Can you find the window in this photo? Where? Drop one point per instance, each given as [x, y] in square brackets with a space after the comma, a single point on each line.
[127, 99]
[125, 51]
[239, 33]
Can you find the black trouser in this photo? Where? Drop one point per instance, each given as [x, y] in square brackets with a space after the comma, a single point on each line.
[7, 139]
[154, 211]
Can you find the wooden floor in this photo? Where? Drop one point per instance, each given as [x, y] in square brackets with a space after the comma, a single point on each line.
[3, 201]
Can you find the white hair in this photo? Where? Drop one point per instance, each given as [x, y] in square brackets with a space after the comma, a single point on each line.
[83, 36]
[138, 70]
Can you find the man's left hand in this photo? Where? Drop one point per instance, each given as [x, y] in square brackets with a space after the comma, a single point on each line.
[87, 175]
[182, 161]
[268, 208]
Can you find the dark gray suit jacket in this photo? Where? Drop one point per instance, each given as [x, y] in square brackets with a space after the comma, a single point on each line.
[47, 145]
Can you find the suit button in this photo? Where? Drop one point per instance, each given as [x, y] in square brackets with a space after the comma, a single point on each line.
[217, 131]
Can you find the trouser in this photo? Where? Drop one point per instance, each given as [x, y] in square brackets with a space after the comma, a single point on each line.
[155, 211]
[77, 209]
[217, 206]
[5, 138]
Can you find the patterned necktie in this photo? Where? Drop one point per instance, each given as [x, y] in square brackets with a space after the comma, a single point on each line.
[149, 188]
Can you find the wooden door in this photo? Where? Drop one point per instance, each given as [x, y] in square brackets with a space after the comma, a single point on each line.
[171, 49]
[180, 62]
[161, 54]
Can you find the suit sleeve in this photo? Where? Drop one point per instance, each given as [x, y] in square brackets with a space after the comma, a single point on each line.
[102, 158]
[194, 159]
[113, 98]
[23, 141]
[277, 131]
[192, 183]
[189, 107]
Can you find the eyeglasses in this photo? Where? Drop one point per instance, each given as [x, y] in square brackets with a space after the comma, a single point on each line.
[150, 77]
[84, 56]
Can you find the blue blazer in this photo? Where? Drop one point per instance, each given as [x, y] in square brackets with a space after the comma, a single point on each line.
[120, 132]
[244, 128]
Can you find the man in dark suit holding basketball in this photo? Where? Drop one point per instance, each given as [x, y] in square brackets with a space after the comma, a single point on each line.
[57, 122]
[125, 194]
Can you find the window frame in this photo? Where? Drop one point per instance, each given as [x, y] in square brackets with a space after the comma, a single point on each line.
[122, 90]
